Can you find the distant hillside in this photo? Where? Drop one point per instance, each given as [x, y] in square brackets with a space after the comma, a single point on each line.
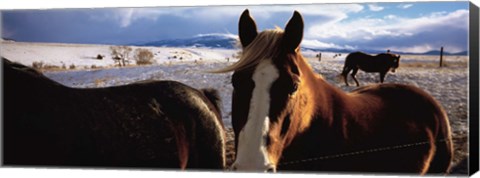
[7, 39]
[436, 52]
[229, 41]
[335, 50]
[225, 41]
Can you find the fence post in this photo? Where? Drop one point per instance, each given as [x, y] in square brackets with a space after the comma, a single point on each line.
[441, 57]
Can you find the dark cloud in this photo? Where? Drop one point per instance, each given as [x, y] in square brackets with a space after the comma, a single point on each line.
[336, 25]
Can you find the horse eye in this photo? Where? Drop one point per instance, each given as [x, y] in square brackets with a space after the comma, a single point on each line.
[294, 87]
[285, 125]
[295, 82]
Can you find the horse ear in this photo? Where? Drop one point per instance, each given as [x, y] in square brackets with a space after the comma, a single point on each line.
[247, 29]
[293, 32]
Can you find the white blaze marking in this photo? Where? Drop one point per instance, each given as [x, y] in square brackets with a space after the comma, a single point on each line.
[252, 152]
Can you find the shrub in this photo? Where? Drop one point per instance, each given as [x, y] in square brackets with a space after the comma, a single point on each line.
[37, 65]
[50, 67]
[143, 57]
[72, 66]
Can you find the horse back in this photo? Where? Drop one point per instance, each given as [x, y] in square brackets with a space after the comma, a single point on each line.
[401, 115]
[369, 63]
[192, 115]
[162, 124]
[373, 125]
[400, 101]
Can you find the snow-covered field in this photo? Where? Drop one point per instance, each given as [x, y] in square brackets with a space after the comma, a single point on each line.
[448, 84]
[84, 56]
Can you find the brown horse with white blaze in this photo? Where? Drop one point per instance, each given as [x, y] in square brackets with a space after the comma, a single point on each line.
[286, 117]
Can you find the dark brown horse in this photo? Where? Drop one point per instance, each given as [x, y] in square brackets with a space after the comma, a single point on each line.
[287, 117]
[380, 63]
[157, 124]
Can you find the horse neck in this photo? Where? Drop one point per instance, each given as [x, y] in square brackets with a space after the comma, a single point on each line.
[318, 98]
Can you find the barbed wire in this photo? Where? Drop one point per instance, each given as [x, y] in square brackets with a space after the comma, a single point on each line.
[373, 150]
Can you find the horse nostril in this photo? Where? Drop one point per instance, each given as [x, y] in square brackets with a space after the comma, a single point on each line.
[271, 169]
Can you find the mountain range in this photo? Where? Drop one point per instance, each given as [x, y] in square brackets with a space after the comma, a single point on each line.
[229, 41]
[225, 41]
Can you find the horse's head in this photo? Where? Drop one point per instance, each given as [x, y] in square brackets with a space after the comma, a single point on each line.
[395, 62]
[265, 80]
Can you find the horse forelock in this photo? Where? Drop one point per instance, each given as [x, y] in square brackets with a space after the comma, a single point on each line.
[264, 46]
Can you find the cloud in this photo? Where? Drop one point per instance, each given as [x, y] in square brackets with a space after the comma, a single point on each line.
[390, 17]
[421, 48]
[438, 28]
[364, 28]
[435, 21]
[374, 7]
[318, 44]
[404, 6]
[415, 48]
[390, 25]
[224, 35]
[126, 16]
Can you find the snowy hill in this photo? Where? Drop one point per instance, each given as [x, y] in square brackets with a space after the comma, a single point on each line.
[230, 41]
[226, 41]
[83, 56]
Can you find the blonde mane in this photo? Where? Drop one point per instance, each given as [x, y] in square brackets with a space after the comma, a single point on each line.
[264, 46]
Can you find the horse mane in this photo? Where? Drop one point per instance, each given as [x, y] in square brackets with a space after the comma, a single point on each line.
[214, 97]
[264, 46]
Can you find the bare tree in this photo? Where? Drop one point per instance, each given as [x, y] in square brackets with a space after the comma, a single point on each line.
[121, 54]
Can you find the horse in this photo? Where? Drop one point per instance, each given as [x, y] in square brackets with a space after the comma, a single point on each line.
[286, 117]
[148, 124]
[380, 63]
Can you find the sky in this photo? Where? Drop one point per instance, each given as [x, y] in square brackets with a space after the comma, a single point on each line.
[404, 26]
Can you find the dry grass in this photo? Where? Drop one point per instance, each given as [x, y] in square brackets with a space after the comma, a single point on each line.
[143, 57]
[41, 66]
[100, 82]
[432, 64]
[37, 64]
